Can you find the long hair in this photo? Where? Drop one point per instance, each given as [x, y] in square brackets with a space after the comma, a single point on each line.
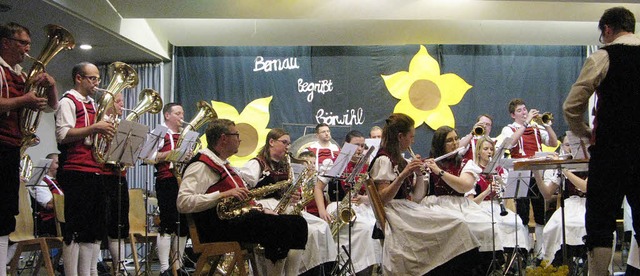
[274, 134]
[481, 140]
[396, 123]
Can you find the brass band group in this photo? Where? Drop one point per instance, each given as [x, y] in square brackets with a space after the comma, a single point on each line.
[391, 211]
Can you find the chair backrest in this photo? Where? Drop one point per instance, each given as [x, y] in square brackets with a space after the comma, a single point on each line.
[58, 206]
[193, 234]
[376, 203]
[24, 220]
[137, 212]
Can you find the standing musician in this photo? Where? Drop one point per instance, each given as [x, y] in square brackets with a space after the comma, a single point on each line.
[325, 152]
[82, 177]
[469, 141]
[171, 222]
[574, 197]
[269, 167]
[485, 148]
[209, 178]
[365, 251]
[15, 43]
[417, 239]
[527, 139]
[613, 72]
[450, 179]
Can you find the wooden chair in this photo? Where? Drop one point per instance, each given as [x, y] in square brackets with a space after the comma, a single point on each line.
[376, 203]
[24, 236]
[58, 206]
[138, 224]
[211, 252]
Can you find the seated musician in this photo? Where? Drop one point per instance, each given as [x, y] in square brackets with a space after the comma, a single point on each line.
[574, 208]
[485, 148]
[365, 251]
[417, 239]
[269, 167]
[450, 179]
[209, 178]
[43, 196]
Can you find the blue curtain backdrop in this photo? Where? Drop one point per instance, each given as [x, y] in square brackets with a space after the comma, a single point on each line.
[350, 84]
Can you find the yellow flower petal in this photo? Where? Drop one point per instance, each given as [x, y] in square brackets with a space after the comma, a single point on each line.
[441, 116]
[405, 106]
[225, 110]
[423, 66]
[257, 113]
[452, 88]
[398, 84]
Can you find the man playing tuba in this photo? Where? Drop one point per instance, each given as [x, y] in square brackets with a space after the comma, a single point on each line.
[15, 43]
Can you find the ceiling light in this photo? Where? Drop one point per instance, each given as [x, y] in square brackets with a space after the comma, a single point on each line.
[86, 47]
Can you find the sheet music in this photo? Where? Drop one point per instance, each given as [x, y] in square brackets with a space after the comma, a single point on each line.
[515, 179]
[126, 144]
[152, 142]
[373, 142]
[578, 146]
[347, 151]
[38, 172]
[187, 145]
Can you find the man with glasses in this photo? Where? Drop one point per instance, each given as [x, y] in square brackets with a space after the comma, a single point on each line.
[81, 176]
[173, 226]
[15, 42]
[613, 73]
[527, 139]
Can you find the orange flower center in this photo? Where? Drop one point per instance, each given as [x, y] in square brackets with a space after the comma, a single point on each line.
[249, 137]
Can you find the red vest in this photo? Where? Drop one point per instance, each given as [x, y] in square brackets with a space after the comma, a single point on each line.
[483, 183]
[76, 156]
[10, 134]
[440, 187]
[49, 214]
[225, 183]
[530, 145]
[324, 153]
[405, 191]
[162, 169]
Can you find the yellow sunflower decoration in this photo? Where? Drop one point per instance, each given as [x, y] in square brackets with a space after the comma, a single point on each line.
[425, 95]
[251, 123]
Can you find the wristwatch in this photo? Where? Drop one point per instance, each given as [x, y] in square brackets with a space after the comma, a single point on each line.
[441, 173]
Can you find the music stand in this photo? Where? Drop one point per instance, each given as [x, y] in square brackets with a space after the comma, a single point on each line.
[578, 146]
[571, 164]
[123, 151]
[152, 143]
[37, 173]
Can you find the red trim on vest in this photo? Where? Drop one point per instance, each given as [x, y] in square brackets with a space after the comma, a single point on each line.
[225, 183]
[405, 189]
[441, 188]
[10, 133]
[162, 169]
[78, 156]
[529, 141]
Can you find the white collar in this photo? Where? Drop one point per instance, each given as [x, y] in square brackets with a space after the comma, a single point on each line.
[79, 96]
[16, 69]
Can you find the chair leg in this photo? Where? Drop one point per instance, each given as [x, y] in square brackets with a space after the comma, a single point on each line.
[134, 251]
[47, 257]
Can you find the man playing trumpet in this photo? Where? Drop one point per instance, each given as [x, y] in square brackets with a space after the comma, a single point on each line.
[15, 43]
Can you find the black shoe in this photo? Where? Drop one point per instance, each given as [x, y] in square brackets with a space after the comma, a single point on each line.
[166, 273]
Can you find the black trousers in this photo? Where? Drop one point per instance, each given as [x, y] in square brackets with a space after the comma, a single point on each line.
[9, 186]
[117, 191]
[171, 222]
[85, 207]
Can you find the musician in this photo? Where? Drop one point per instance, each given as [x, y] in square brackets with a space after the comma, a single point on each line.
[209, 178]
[482, 194]
[574, 197]
[42, 194]
[375, 132]
[269, 167]
[365, 251]
[325, 152]
[15, 43]
[417, 239]
[172, 224]
[614, 146]
[449, 180]
[527, 140]
[484, 121]
[81, 176]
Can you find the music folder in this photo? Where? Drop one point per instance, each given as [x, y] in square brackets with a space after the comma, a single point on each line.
[127, 143]
[152, 143]
[187, 145]
[344, 157]
[517, 184]
[38, 172]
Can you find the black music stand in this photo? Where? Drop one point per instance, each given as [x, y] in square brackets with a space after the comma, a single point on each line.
[517, 186]
[37, 174]
[123, 152]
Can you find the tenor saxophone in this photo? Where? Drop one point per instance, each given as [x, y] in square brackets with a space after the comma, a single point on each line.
[231, 207]
[344, 213]
[303, 178]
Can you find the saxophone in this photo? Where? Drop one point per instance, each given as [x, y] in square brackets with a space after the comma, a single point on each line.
[344, 212]
[305, 177]
[231, 207]
[306, 195]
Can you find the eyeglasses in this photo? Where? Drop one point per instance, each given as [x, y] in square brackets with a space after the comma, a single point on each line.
[24, 43]
[451, 140]
[284, 142]
[91, 78]
[233, 134]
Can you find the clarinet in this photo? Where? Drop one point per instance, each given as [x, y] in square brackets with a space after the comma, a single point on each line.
[503, 210]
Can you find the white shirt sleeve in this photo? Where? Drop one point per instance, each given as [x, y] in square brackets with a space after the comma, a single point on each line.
[251, 173]
[41, 193]
[192, 196]
[382, 169]
[472, 168]
[65, 118]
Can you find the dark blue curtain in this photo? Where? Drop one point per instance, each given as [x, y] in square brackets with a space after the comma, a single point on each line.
[351, 89]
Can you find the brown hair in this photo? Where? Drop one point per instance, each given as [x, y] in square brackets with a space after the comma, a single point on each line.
[396, 123]
[274, 134]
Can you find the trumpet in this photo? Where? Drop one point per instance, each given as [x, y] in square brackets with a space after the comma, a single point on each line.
[479, 130]
[543, 119]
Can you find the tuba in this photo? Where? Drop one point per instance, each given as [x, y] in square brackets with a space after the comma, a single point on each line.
[122, 76]
[231, 207]
[148, 101]
[205, 114]
[59, 39]
[26, 164]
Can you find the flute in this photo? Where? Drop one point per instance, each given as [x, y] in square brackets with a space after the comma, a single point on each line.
[423, 168]
[448, 154]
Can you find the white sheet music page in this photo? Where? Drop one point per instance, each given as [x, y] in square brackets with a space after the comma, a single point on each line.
[578, 145]
[39, 171]
[517, 181]
[152, 142]
[347, 151]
